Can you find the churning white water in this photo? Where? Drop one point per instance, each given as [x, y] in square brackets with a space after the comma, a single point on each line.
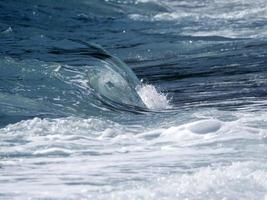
[152, 98]
[96, 158]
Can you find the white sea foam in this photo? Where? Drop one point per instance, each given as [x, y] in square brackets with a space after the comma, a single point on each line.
[152, 98]
[202, 158]
[246, 180]
[237, 18]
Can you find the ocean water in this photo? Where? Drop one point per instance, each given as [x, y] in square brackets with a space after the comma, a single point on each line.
[133, 99]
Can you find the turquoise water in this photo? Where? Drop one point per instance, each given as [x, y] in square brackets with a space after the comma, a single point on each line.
[133, 99]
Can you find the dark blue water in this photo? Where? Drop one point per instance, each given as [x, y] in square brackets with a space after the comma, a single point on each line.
[133, 99]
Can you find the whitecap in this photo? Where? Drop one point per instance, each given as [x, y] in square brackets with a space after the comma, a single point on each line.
[152, 98]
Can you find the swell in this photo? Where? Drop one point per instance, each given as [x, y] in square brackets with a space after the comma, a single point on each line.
[33, 88]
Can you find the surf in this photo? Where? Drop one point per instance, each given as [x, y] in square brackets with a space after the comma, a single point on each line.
[100, 83]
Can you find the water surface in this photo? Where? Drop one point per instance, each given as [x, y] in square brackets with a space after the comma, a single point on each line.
[133, 99]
